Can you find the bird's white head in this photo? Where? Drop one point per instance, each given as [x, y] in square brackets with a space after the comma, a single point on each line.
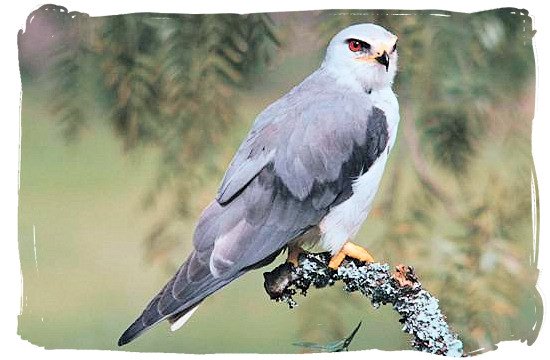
[363, 55]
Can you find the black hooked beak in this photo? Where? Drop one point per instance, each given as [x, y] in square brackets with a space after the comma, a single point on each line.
[384, 59]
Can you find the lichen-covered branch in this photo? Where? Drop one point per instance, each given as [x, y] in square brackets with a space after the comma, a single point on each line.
[419, 310]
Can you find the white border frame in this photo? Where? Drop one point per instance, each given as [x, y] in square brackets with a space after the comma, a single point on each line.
[15, 15]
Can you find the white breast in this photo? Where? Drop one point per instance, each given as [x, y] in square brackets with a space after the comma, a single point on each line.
[343, 222]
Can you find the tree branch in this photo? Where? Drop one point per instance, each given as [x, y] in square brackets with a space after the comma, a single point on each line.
[419, 310]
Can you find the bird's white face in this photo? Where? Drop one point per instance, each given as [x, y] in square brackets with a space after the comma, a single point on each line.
[363, 55]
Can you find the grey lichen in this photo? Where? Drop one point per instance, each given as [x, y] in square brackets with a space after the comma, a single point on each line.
[419, 310]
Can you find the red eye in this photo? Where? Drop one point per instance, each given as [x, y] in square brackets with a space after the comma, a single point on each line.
[354, 45]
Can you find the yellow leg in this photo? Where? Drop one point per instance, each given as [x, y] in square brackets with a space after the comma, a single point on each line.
[352, 250]
[293, 253]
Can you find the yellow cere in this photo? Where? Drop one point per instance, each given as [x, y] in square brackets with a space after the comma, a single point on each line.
[379, 48]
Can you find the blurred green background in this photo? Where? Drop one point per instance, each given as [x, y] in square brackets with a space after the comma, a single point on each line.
[129, 121]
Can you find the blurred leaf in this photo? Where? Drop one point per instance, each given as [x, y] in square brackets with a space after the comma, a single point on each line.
[335, 346]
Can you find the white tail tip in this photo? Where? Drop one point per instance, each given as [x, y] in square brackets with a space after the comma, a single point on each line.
[182, 320]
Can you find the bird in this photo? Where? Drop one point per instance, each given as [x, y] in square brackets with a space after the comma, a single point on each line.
[307, 173]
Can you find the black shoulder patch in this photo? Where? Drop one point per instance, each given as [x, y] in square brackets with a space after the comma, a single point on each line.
[377, 137]
[325, 195]
[363, 156]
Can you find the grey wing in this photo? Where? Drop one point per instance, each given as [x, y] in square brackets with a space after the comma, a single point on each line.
[253, 155]
[283, 180]
[318, 150]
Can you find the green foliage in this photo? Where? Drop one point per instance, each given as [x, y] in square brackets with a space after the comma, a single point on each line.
[126, 51]
[66, 75]
[161, 81]
[449, 136]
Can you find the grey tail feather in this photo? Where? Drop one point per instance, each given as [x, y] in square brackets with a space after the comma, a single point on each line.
[139, 326]
[132, 332]
[150, 318]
